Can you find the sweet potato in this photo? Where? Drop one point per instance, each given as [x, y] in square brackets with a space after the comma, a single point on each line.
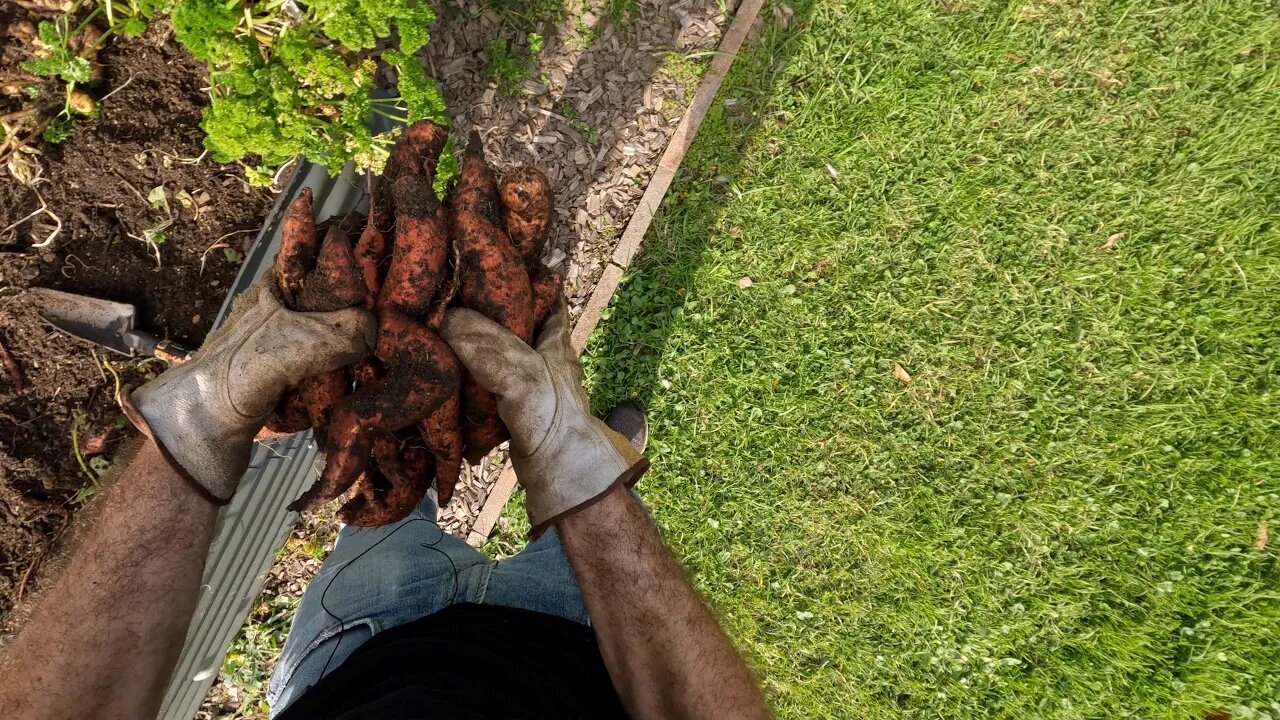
[416, 383]
[547, 284]
[335, 282]
[320, 393]
[413, 260]
[416, 151]
[407, 474]
[526, 211]
[442, 436]
[418, 253]
[378, 499]
[492, 280]
[370, 254]
[297, 247]
[290, 415]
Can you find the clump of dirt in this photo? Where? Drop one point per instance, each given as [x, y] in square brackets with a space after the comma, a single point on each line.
[128, 186]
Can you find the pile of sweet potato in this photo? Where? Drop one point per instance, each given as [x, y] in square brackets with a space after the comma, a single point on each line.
[395, 422]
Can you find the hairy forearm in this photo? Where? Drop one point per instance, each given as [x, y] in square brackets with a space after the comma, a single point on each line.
[103, 640]
[665, 653]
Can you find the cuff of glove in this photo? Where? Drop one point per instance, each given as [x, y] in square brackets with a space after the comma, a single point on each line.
[135, 416]
[627, 479]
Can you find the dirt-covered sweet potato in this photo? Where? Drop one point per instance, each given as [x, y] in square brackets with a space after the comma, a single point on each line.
[320, 393]
[371, 254]
[415, 152]
[415, 384]
[526, 211]
[366, 371]
[492, 280]
[298, 246]
[391, 488]
[419, 251]
[415, 413]
[547, 284]
[335, 282]
[290, 415]
[443, 437]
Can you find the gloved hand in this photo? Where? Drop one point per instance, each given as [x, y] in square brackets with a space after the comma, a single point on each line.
[563, 456]
[204, 413]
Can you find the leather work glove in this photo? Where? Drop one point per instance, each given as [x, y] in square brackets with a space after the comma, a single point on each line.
[204, 413]
[564, 457]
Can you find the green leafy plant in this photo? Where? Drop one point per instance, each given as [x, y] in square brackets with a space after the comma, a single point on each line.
[256, 647]
[285, 79]
[287, 85]
[58, 59]
[130, 17]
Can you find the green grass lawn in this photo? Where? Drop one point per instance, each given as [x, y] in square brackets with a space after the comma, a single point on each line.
[1060, 513]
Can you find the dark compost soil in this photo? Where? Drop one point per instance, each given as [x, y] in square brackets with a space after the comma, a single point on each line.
[97, 183]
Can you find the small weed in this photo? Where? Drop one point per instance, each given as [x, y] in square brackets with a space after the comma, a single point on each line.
[685, 71]
[570, 113]
[84, 494]
[58, 130]
[508, 66]
[587, 34]
[57, 59]
[619, 12]
[527, 15]
[256, 649]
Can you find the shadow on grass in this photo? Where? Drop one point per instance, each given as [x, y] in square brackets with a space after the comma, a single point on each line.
[623, 356]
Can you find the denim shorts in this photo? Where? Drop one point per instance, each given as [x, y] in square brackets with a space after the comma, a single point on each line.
[381, 577]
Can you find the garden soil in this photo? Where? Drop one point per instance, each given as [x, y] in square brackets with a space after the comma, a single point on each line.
[101, 183]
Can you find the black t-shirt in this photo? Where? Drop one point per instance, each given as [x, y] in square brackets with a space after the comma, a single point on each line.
[469, 661]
